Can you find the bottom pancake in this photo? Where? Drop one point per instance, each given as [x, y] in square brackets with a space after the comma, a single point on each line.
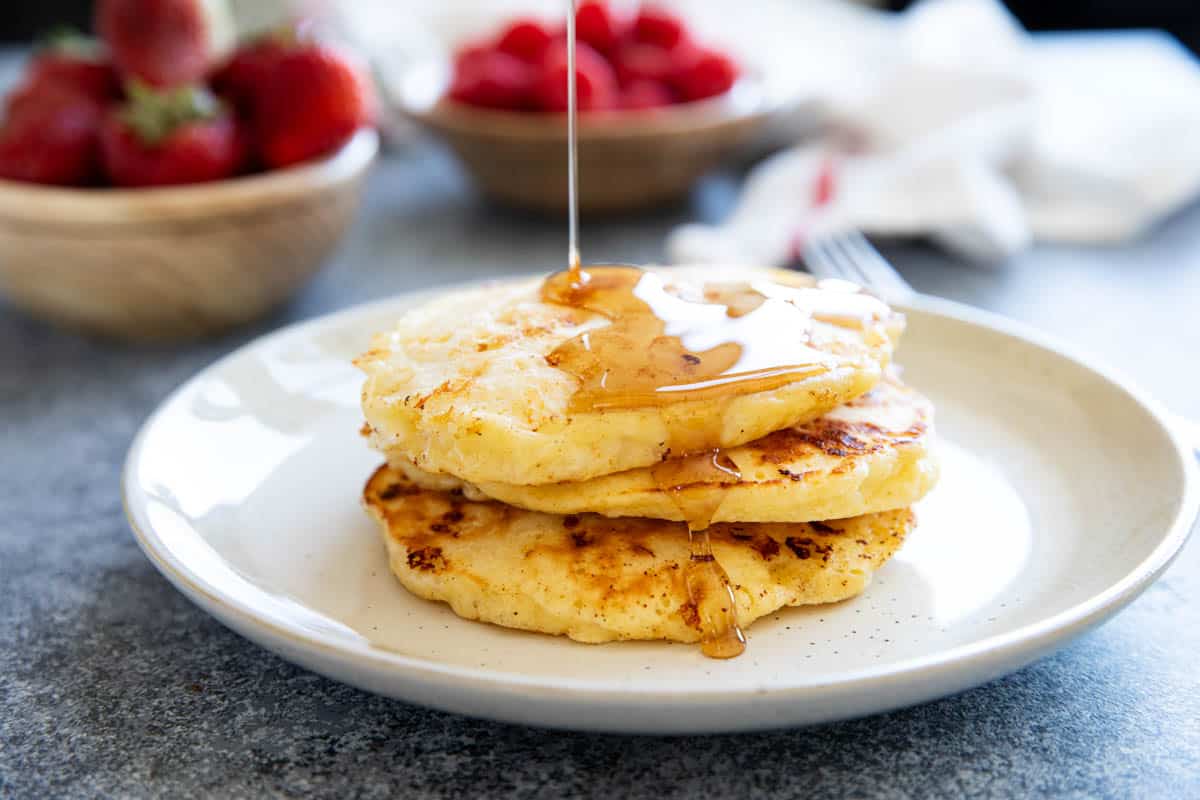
[599, 579]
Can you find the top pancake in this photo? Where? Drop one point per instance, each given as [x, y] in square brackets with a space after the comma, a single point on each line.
[463, 386]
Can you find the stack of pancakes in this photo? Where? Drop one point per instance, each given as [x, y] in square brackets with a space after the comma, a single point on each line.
[680, 513]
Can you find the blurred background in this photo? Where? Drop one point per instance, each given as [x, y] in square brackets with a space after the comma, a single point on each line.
[982, 128]
[25, 20]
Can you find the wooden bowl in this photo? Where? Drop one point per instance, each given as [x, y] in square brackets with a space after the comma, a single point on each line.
[176, 262]
[628, 160]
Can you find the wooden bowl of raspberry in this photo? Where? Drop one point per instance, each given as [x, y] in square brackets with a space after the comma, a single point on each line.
[150, 189]
[657, 109]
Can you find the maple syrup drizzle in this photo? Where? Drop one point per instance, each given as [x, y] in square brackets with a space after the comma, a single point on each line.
[573, 261]
[662, 348]
[711, 594]
[694, 484]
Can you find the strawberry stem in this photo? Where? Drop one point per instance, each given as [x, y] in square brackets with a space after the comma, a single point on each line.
[154, 114]
[68, 41]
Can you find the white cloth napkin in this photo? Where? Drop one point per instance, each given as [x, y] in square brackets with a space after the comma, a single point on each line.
[982, 137]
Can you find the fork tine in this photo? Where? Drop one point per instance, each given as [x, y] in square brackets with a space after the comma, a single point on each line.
[819, 259]
[880, 274]
[825, 259]
[850, 266]
[850, 256]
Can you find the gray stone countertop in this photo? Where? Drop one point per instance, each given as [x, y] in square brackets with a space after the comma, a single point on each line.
[112, 684]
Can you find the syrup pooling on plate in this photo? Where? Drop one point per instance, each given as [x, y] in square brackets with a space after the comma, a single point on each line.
[665, 345]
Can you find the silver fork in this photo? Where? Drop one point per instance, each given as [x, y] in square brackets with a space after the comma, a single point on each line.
[850, 257]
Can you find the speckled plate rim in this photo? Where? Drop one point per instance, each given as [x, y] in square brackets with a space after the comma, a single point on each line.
[459, 689]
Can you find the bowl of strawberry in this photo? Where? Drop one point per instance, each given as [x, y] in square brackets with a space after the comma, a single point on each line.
[161, 183]
[657, 108]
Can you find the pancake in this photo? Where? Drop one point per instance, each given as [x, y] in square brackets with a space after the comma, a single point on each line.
[465, 385]
[597, 579]
[871, 454]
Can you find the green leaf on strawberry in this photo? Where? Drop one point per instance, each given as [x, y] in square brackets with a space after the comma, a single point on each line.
[154, 114]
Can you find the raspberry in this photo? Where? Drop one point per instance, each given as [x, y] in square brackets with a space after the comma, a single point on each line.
[711, 74]
[524, 39]
[596, 26]
[492, 79]
[595, 82]
[658, 26]
[644, 94]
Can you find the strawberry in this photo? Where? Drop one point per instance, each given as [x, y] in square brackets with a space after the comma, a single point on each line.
[70, 61]
[51, 138]
[595, 81]
[492, 79]
[642, 94]
[77, 61]
[596, 25]
[524, 39]
[163, 42]
[242, 79]
[314, 100]
[96, 79]
[169, 137]
[659, 27]
[711, 74]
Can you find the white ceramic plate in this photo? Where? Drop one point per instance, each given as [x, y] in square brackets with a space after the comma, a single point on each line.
[1064, 494]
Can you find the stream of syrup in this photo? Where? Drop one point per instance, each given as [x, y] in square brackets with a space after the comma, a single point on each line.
[664, 347]
[573, 261]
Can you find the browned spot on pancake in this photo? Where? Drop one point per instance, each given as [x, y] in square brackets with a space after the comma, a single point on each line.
[374, 354]
[394, 490]
[453, 515]
[439, 527]
[766, 547]
[535, 331]
[571, 521]
[691, 617]
[833, 437]
[805, 548]
[822, 527]
[366, 429]
[581, 539]
[456, 385]
[801, 547]
[427, 559]
[641, 548]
